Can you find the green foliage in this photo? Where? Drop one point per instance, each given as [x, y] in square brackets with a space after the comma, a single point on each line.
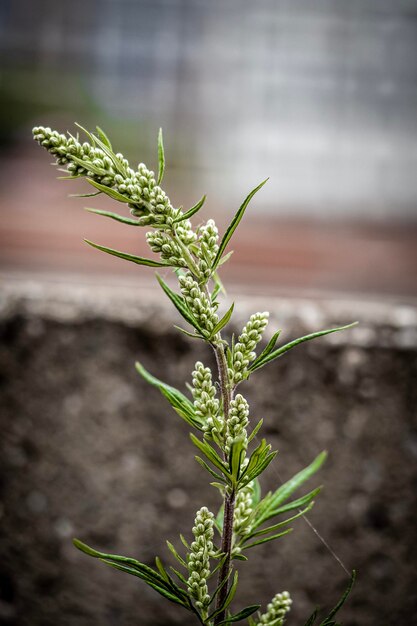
[228, 446]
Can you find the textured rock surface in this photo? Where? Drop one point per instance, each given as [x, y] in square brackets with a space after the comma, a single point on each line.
[88, 450]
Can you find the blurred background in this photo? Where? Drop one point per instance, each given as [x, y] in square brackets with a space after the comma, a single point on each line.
[322, 98]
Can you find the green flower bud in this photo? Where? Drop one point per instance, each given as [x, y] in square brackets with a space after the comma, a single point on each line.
[276, 611]
[198, 559]
[238, 420]
[206, 404]
[198, 303]
[169, 250]
[243, 509]
[243, 352]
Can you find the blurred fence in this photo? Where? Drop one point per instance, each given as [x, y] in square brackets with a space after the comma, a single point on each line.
[320, 96]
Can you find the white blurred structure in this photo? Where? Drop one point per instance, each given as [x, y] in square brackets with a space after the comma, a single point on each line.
[321, 96]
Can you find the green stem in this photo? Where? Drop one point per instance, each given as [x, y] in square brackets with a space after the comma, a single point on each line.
[187, 255]
[229, 498]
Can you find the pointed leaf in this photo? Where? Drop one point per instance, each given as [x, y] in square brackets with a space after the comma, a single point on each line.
[280, 351]
[312, 618]
[210, 471]
[127, 257]
[270, 529]
[227, 600]
[342, 600]
[243, 614]
[267, 350]
[225, 258]
[191, 212]
[113, 216]
[287, 489]
[109, 191]
[180, 403]
[102, 135]
[234, 224]
[266, 539]
[222, 323]
[84, 195]
[211, 455]
[255, 430]
[179, 303]
[175, 553]
[161, 158]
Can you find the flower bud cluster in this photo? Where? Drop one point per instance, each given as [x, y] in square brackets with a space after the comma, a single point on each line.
[147, 200]
[243, 509]
[169, 250]
[237, 422]
[198, 559]
[243, 352]
[208, 237]
[97, 164]
[206, 404]
[277, 609]
[198, 303]
[185, 232]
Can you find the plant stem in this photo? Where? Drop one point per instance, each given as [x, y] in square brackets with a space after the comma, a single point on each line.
[229, 498]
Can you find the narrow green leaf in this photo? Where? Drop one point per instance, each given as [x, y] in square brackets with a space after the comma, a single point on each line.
[222, 323]
[236, 456]
[271, 529]
[184, 542]
[127, 257]
[280, 351]
[70, 177]
[312, 618]
[175, 553]
[208, 468]
[255, 430]
[180, 576]
[220, 585]
[89, 135]
[89, 166]
[211, 455]
[256, 493]
[117, 163]
[139, 569]
[342, 600]
[216, 291]
[284, 492]
[191, 212]
[260, 467]
[225, 258]
[234, 224]
[295, 504]
[161, 158]
[227, 600]
[113, 216]
[180, 305]
[102, 135]
[109, 191]
[180, 403]
[243, 614]
[161, 569]
[266, 539]
[84, 195]
[187, 332]
[268, 349]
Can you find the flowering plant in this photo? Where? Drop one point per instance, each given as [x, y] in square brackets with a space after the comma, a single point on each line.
[228, 445]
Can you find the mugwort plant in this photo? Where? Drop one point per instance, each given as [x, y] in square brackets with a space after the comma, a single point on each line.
[205, 580]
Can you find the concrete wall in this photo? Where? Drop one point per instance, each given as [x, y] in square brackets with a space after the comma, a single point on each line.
[88, 450]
